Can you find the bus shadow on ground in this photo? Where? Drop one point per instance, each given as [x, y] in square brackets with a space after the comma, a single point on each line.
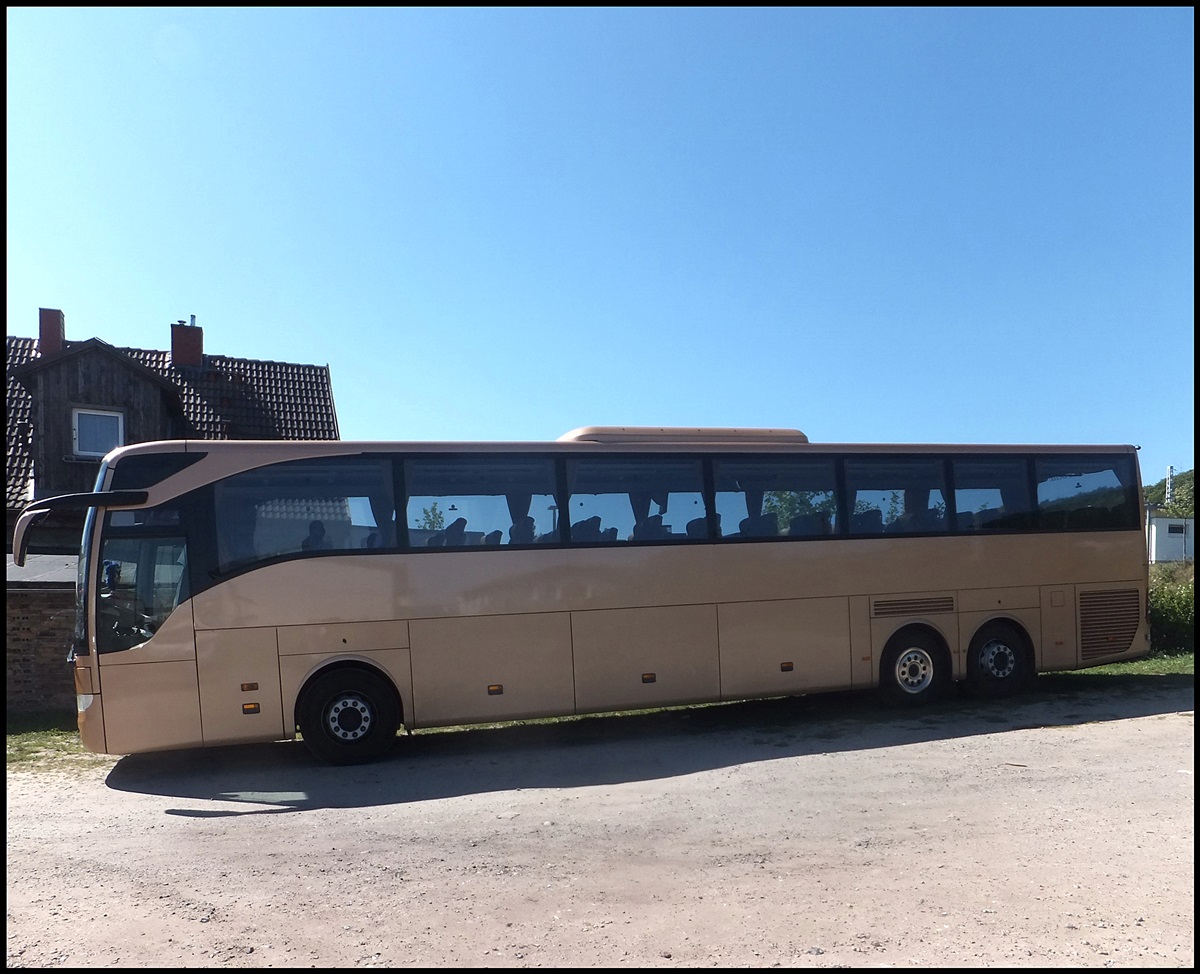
[613, 749]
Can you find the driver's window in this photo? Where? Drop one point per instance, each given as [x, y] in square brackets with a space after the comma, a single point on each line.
[141, 582]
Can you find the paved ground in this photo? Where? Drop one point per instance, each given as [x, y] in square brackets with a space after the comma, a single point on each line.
[1056, 831]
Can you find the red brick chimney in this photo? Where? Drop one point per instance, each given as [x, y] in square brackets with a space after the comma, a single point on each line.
[187, 344]
[52, 331]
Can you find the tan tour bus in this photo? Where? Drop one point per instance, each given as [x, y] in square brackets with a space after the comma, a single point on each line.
[234, 592]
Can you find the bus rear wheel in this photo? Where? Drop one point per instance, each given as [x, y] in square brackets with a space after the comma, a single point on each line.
[914, 670]
[998, 664]
[349, 716]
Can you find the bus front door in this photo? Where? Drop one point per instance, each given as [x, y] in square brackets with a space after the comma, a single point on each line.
[144, 644]
[148, 692]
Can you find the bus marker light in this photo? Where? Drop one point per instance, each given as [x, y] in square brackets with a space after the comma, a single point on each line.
[249, 708]
[785, 667]
[648, 677]
[495, 689]
[246, 687]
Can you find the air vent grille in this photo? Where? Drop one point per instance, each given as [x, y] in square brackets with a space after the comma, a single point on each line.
[1108, 622]
[913, 607]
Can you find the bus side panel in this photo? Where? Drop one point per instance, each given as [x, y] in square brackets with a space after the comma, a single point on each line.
[886, 623]
[1028, 619]
[862, 656]
[294, 672]
[631, 659]
[1021, 603]
[785, 647]
[151, 707]
[1059, 648]
[999, 599]
[239, 685]
[486, 668]
[303, 648]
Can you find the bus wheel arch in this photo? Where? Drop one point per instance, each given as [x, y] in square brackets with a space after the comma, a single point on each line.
[348, 714]
[1000, 660]
[915, 666]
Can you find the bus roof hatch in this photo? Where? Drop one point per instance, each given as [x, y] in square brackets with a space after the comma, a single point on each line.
[681, 434]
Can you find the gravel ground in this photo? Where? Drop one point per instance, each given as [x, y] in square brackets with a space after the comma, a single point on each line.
[1054, 831]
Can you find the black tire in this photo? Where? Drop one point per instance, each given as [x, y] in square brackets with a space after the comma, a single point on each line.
[914, 669]
[349, 716]
[998, 662]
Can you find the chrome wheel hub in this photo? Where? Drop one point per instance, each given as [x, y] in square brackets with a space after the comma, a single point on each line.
[997, 659]
[348, 718]
[914, 670]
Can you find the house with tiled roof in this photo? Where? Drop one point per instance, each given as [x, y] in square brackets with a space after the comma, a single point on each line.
[70, 402]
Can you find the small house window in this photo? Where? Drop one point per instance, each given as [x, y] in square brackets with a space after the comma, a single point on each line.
[96, 431]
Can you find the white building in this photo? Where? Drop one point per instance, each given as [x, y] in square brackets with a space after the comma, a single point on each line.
[1172, 538]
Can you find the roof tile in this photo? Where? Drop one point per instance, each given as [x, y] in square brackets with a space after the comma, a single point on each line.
[226, 398]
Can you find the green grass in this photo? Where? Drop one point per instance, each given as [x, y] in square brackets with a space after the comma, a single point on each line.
[50, 741]
[1182, 662]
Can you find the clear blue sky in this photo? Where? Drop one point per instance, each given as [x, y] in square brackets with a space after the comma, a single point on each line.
[874, 225]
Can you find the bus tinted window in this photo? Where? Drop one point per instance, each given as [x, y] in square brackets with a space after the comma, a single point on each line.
[143, 576]
[776, 496]
[897, 495]
[1083, 493]
[460, 501]
[992, 494]
[619, 499]
[303, 507]
[145, 470]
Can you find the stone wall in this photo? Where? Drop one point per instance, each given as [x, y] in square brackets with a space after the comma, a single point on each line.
[41, 620]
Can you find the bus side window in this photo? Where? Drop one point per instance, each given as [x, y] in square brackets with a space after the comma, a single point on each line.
[806, 525]
[619, 499]
[587, 530]
[782, 497]
[523, 531]
[867, 522]
[475, 502]
[235, 534]
[1085, 493]
[991, 493]
[760, 526]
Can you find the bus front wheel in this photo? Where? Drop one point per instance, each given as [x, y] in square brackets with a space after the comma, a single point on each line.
[349, 716]
[914, 669]
[997, 662]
